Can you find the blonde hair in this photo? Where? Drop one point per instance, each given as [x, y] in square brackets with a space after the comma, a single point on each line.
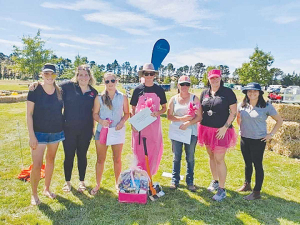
[85, 67]
[104, 95]
[58, 91]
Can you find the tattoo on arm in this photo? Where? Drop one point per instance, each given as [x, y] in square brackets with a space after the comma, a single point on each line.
[227, 125]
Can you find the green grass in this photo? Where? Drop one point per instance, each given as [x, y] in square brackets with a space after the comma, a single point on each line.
[280, 203]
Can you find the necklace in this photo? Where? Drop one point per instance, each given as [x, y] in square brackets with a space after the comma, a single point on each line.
[210, 112]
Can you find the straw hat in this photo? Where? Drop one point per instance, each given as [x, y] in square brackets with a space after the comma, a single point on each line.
[149, 68]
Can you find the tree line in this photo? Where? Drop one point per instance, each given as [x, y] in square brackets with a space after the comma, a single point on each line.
[26, 62]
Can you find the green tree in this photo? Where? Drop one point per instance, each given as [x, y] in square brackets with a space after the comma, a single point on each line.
[225, 72]
[257, 70]
[30, 59]
[194, 80]
[199, 70]
[80, 61]
[98, 74]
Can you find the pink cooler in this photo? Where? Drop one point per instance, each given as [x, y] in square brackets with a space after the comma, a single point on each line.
[133, 198]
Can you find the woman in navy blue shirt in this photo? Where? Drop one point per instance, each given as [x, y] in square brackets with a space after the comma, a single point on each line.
[45, 127]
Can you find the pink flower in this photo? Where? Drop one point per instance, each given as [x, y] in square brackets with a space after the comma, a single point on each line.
[193, 108]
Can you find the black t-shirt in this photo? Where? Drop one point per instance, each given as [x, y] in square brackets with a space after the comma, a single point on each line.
[47, 113]
[78, 106]
[219, 105]
[141, 89]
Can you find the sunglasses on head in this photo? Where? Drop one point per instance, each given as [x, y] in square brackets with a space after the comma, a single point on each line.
[149, 74]
[107, 81]
[185, 84]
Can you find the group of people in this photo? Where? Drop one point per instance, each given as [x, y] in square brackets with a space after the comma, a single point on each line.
[67, 113]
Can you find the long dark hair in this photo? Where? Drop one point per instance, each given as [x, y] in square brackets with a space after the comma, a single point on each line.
[261, 103]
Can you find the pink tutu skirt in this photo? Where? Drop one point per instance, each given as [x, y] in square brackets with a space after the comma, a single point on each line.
[207, 137]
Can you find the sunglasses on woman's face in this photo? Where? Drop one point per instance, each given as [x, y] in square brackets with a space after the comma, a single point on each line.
[149, 74]
[185, 84]
[107, 81]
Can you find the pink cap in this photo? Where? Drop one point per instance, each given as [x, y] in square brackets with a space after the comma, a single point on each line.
[184, 79]
[214, 73]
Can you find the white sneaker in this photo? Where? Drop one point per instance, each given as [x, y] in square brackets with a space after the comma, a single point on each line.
[214, 185]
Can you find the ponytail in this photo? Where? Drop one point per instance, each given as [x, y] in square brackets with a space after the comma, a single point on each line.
[106, 99]
[58, 91]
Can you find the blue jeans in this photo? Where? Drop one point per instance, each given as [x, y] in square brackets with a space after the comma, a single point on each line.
[190, 159]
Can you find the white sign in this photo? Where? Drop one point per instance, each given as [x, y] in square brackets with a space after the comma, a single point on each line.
[115, 137]
[142, 119]
[177, 134]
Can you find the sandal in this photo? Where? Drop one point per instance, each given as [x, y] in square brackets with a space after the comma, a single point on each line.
[94, 191]
[49, 194]
[67, 187]
[81, 187]
[35, 201]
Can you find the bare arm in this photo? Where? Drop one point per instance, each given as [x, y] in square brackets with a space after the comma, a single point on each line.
[238, 119]
[96, 110]
[126, 114]
[278, 124]
[173, 118]
[33, 142]
[222, 131]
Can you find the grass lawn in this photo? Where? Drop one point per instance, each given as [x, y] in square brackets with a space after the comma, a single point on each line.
[280, 202]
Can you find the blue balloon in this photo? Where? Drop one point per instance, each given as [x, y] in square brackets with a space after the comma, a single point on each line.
[159, 53]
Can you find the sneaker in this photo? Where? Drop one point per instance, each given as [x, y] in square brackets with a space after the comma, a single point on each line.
[221, 194]
[214, 185]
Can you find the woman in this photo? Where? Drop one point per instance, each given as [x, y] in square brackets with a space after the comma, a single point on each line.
[78, 96]
[45, 127]
[145, 93]
[180, 114]
[252, 115]
[111, 109]
[219, 110]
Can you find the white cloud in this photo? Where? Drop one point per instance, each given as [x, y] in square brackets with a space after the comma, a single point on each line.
[109, 15]
[71, 46]
[282, 14]
[104, 41]
[185, 13]
[285, 19]
[40, 26]
[11, 43]
[79, 5]
[231, 57]
[295, 61]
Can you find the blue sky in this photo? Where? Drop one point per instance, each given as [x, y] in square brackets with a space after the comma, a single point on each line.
[210, 31]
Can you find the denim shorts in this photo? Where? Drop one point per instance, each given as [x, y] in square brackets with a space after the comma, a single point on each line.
[49, 138]
[97, 135]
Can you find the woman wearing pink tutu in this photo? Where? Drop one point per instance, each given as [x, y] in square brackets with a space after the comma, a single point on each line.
[219, 108]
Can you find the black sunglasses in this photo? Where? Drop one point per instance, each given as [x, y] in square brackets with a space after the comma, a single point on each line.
[147, 74]
[107, 81]
[185, 84]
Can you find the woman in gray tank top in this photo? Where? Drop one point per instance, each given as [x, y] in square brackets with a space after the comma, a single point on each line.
[180, 113]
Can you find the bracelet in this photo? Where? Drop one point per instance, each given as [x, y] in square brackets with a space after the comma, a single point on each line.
[271, 134]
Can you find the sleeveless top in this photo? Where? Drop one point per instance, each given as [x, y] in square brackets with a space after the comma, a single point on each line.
[182, 110]
[115, 114]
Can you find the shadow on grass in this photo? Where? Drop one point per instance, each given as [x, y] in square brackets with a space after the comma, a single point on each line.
[176, 207]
